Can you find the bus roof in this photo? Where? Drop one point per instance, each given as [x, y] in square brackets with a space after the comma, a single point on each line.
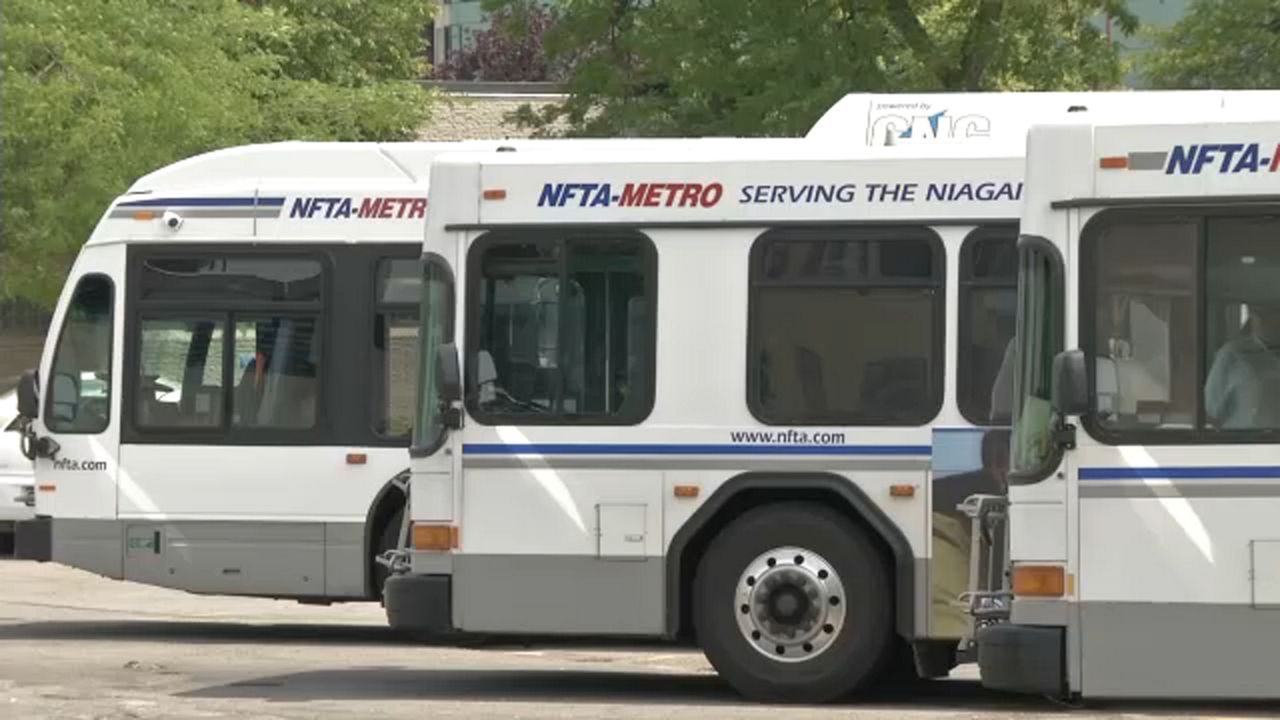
[1115, 162]
[981, 117]
[310, 191]
[316, 162]
[856, 120]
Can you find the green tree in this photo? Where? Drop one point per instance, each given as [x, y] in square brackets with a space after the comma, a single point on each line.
[99, 92]
[1218, 44]
[350, 42]
[762, 67]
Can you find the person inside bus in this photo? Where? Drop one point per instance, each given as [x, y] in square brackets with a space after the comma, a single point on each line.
[1243, 387]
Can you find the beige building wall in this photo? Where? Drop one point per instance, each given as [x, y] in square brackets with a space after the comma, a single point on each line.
[481, 111]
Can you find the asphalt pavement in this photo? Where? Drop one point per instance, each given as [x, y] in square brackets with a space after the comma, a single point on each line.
[73, 645]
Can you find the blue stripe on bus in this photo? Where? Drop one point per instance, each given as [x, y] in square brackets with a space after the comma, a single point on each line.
[1181, 473]
[688, 449]
[207, 202]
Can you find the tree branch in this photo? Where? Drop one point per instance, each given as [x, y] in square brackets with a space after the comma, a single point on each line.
[974, 53]
[917, 38]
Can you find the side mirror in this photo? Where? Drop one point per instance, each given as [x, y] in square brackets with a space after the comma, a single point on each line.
[29, 395]
[65, 397]
[1070, 394]
[449, 375]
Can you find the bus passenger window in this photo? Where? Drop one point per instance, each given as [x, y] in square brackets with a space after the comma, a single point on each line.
[845, 327]
[179, 382]
[228, 346]
[1242, 352]
[395, 346]
[79, 400]
[1145, 314]
[988, 304]
[562, 329]
[277, 366]
[1186, 323]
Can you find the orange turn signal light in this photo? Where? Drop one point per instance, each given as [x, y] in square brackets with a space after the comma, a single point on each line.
[1039, 581]
[902, 490]
[497, 194]
[1115, 162]
[144, 215]
[355, 458]
[435, 537]
[686, 491]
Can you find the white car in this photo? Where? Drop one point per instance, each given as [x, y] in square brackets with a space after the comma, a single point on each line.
[16, 472]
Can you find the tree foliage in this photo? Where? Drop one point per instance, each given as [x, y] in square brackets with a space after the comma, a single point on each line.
[510, 49]
[1218, 44]
[762, 67]
[350, 42]
[99, 92]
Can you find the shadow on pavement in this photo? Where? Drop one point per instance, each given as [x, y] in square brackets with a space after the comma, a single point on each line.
[644, 688]
[560, 686]
[275, 633]
[478, 685]
[233, 633]
[531, 685]
[215, 633]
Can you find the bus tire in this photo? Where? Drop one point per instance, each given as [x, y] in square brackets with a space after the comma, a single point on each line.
[792, 603]
[388, 538]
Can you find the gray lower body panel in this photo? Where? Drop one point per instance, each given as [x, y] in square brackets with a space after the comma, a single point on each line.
[1168, 651]
[1179, 651]
[558, 594]
[93, 545]
[269, 559]
[344, 560]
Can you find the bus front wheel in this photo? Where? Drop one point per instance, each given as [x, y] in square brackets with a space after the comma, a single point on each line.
[792, 603]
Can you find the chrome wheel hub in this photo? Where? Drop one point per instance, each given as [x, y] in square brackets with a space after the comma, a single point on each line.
[790, 604]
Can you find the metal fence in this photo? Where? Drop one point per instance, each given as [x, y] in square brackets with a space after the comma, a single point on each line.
[21, 316]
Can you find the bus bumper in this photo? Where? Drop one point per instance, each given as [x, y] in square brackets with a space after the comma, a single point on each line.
[33, 540]
[419, 603]
[1022, 659]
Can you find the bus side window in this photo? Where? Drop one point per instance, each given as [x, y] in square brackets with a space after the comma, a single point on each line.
[1185, 334]
[395, 346]
[1242, 347]
[280, 387]
[79, 399]
[988, 301]
[1144, 319]
[846, 326]
[227, 344]
[180, 383]
[563, 328]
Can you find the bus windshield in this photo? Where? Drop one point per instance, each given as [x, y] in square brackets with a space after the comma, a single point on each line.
[436, 313]
[1039, 335]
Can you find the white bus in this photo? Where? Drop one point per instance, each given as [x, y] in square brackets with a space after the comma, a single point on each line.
[733, 395]
[1144, 491]
[232, 374]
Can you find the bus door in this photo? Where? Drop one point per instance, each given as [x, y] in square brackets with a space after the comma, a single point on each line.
[559, 339]
[78, 429]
